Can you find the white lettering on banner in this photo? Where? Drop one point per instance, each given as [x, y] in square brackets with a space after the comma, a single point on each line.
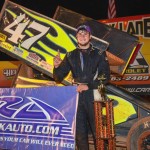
[52, 143]
[14, 139]
[29, 128]
[35, 141]
[68, 145]
[24, 140]
[47, 129]
[10, 139]
[2, 126]
[15, 127]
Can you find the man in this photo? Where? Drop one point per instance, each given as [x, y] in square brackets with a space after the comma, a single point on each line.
[86, 63]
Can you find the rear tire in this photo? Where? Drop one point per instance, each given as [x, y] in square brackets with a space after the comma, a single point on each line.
[138, 137]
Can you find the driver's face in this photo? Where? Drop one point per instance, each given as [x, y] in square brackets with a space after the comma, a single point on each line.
[83, 37]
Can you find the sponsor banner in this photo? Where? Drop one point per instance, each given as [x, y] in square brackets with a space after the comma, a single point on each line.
[137, 75]
[35, 39]
[8, 70]
[32, 120]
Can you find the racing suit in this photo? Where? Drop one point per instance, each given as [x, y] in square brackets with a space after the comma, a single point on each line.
[85, 66]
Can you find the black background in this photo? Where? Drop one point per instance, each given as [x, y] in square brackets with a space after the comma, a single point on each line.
[96, 9]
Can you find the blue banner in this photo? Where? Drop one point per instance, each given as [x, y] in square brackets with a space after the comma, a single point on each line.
[38, 118]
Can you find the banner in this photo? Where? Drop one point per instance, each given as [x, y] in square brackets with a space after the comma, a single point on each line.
[136, 78]
[38, 118]
[35, 39]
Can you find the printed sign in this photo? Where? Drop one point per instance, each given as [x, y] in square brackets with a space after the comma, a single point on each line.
[136, 78]
[31, 120]
[8, 70]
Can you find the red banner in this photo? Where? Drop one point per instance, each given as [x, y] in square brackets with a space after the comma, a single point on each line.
[136, 78]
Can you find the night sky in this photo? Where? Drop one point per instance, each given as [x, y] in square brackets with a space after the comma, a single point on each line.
[96, 9]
